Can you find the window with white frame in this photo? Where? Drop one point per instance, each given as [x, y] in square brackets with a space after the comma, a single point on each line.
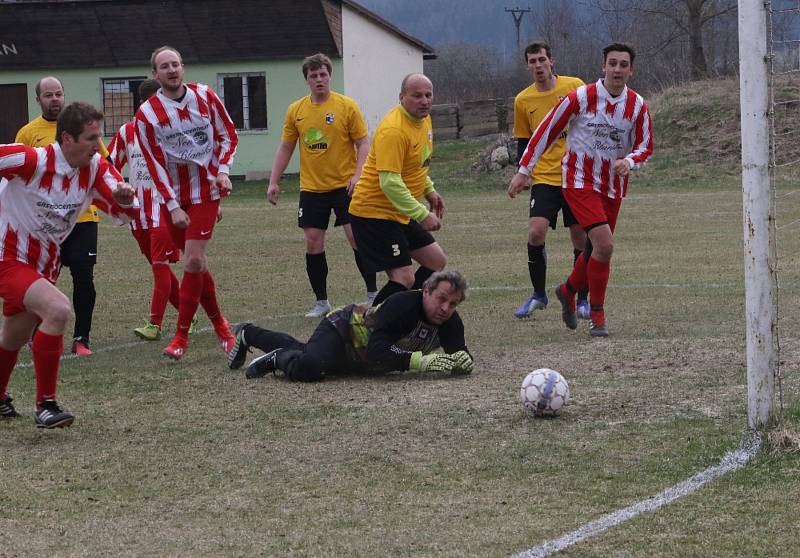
[120, 101]
[245, 98]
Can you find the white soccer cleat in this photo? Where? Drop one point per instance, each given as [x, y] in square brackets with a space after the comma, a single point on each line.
[321, 307]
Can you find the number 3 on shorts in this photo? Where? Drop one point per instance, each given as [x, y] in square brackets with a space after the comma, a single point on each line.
[395, 250]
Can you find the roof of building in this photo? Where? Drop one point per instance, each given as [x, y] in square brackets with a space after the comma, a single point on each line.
[116, 33]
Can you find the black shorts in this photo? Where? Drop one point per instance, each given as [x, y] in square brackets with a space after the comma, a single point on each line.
[80, 246]
[315, 208]
[547, 201]
[384, 244]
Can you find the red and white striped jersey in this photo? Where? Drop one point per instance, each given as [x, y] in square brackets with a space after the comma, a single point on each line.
[602, 129]
[44, 197]
[125, 148]
[186, 144]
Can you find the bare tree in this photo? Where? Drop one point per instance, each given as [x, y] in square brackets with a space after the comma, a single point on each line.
[669, 21]
[689, 17]
[467, 72]
[558, 25]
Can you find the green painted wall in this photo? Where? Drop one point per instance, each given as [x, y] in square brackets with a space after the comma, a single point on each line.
[256, 150]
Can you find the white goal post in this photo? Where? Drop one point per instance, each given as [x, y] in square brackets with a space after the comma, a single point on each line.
[758, 220]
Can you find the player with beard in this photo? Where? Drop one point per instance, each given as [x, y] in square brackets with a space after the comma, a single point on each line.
[188, 141]
[150, 228]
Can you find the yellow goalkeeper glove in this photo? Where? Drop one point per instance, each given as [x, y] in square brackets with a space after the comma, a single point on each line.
[463, 363]
[431, 363]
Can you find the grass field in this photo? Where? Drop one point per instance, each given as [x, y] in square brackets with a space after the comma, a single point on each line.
[191, 459]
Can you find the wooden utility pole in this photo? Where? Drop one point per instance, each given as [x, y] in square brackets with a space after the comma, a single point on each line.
[517, 14]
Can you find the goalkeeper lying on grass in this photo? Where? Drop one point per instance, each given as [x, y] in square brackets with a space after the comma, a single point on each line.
[399, 334]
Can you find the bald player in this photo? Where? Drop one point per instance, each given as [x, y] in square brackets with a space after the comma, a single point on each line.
[391, 226]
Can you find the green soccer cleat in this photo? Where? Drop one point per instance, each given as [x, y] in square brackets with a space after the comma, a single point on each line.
[149, 332]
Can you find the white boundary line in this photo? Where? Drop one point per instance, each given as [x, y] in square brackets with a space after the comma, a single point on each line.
[731, 461]
[132, 344]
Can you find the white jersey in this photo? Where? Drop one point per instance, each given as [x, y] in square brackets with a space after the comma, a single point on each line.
[602, 129]
[124, 149]
[186, 144]
[44, 197]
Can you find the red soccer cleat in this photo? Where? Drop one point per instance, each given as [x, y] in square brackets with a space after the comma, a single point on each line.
[226, 338]
[176, 349]
[81, 348]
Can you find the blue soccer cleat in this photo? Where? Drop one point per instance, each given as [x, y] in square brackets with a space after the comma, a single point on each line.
[583, 309]
[535, 302]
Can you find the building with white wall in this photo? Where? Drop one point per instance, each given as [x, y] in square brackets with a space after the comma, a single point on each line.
[249, 51]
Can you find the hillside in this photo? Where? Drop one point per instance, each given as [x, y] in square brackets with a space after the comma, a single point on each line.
[698, 122]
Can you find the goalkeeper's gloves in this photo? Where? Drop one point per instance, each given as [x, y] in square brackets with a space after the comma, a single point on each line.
[462, 363]
[431, 363]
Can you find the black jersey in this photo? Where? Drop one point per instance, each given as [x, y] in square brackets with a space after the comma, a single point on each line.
[384, 337]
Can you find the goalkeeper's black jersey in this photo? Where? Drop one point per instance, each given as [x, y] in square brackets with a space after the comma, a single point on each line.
[383, 338]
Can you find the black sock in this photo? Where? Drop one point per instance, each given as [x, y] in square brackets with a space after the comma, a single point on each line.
[388, 290]
[83, 297]
[317, 269]
[421, 276]
[584, 294]
[369, 276]
[537, 268]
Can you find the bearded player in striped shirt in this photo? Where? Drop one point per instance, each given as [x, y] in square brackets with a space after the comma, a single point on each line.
[48, 189]
[150, 228]
[188, 141]
[610, 134]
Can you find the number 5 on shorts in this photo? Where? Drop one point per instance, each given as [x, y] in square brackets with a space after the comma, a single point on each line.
[395, 250]
[299, 212]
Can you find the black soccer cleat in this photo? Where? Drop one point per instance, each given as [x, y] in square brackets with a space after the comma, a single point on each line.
[263, 365]
[568, 311]
[7, 410]
[50, 415]
[238, 354]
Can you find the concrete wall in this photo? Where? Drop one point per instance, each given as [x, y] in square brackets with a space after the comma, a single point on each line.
[375, 62]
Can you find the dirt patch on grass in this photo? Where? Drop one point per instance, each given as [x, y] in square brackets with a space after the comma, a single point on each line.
[783, 441]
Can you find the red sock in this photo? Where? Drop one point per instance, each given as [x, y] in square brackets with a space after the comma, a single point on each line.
[209, 298]
[598, 273]
[577, 279]
[162, 292]
[46, 356]
[191, 289]
[8, 359]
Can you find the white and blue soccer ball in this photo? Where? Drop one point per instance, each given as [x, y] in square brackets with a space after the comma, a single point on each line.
[544, 392]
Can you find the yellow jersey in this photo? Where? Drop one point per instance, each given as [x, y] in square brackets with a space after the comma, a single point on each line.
[530, 108]
[41, 133]
[404, 145]
[327, 133]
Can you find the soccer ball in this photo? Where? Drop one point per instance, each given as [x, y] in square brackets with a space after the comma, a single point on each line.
[544, 392]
